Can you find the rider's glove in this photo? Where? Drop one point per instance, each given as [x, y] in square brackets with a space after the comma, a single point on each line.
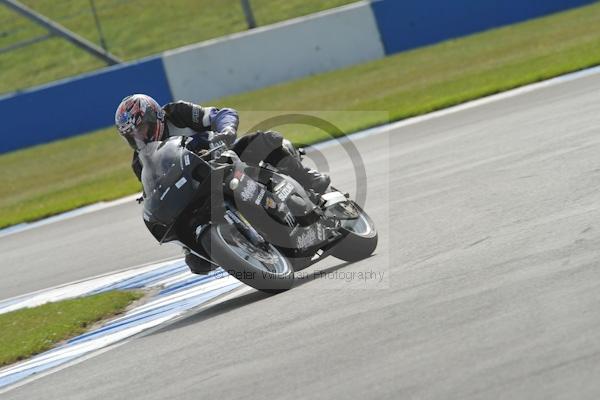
[225, 137]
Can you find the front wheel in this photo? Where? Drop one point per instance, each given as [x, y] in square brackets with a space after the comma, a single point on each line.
[265, 269]
[360, 238]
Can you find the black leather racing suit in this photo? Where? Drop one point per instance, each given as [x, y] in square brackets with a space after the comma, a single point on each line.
[216, 126]
[209, 123]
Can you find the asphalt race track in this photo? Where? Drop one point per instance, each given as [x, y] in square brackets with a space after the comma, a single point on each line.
[489, 223]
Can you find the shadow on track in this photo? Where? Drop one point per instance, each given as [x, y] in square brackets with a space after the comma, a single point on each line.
[239, 302]
[214, 311]
[307, 278]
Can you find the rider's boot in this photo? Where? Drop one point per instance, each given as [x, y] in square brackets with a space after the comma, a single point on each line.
[309, 178]
[196, 264]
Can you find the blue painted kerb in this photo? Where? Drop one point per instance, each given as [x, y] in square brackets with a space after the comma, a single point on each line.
[63, 109]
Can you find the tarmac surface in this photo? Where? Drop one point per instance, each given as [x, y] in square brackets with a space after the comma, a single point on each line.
[485, 284]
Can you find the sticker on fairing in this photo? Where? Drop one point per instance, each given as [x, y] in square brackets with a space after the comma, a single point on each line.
[186, 159]
[285, 191]
[306, 239]
[270, 203]
[231, 217]
[260, 196]
[180, 183]
[320, 232]
[249, 190]
[290, 220]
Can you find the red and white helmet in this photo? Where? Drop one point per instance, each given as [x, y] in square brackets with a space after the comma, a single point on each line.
[140, 120]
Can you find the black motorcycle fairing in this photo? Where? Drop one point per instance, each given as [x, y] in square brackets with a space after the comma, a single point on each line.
[281, 210]
[168, 180]
[178, 183]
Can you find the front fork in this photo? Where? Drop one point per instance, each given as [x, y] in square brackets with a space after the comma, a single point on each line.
[236, 219]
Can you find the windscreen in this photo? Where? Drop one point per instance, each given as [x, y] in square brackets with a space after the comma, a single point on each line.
[166, 178]
[161, 165]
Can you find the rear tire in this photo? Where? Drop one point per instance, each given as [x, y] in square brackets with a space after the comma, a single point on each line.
[247, 263]
[360, 240]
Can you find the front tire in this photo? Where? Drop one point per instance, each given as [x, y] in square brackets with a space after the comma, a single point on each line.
[266, 270]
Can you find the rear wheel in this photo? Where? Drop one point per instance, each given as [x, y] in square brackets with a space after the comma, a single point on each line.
[360, 238]
[265, 269]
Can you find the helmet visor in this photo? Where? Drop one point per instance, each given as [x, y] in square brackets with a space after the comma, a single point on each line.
[137, 137]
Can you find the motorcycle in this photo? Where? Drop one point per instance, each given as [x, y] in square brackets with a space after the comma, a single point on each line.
[258, 224]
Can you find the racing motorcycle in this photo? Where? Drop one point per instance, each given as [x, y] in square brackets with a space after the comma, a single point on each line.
[258, 224]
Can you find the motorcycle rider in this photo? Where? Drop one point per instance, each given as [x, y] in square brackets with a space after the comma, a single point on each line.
[140, 120]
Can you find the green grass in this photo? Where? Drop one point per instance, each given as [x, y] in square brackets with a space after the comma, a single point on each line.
[30, 331]
[64, 175]
[56, 177]
[132, 28]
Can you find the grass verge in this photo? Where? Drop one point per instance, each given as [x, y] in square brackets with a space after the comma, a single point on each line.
[132, 29]
[31, 331]
[52, 178]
